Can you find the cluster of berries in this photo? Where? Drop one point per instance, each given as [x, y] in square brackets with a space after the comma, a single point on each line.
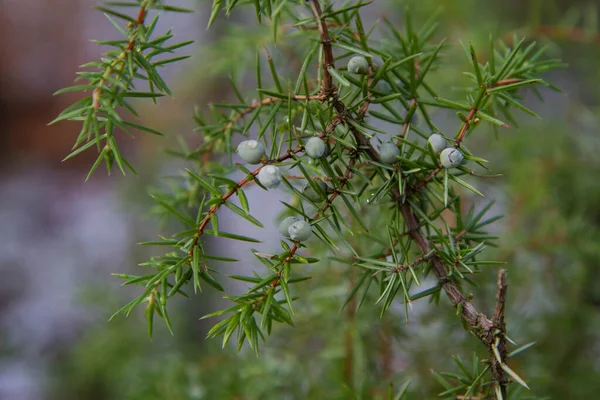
[450, 157]
[254, 152]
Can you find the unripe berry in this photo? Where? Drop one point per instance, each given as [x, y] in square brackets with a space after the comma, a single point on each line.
[251, 151]
[299, 231]
[384, 87]
[358, 65]
[315, 147]
[437, 142]
[451, 157]
[284, 226]
[388, 152]
[269, 176]
[313, 194]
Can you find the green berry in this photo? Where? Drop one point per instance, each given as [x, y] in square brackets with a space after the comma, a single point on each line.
[315, 147]
[251, 151]
[269, 176]
[299, 231]
[284, 226]
[313, 194]
[388, 152]
[358, 65]
[451, 157]
[437, 142]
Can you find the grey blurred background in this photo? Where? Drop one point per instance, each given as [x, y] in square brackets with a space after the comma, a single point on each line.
[60, 239]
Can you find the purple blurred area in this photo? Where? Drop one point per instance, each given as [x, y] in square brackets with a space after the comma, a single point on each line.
[57, 234]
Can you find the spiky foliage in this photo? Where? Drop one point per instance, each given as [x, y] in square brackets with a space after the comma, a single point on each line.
[399, 227]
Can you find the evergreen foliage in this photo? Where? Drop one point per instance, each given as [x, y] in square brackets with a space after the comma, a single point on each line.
[394, 228]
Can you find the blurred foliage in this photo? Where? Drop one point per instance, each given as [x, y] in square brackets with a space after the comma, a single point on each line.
[549, 238]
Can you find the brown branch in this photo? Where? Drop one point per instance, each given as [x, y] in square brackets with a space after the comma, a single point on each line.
[120, 61]
[490, 332]
[408, 265]
[498, 374]
[465, 126]
[476, 321]
[327, 86]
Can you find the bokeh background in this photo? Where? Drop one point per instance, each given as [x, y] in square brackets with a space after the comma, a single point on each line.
[61, 238]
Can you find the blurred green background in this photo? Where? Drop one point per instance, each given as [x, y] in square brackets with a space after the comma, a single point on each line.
[60, 238]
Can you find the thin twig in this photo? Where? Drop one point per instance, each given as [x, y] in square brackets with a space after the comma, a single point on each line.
[465, 126]
[118, 64]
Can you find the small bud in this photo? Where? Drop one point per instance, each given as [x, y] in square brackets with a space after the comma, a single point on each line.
[109, 157]
[313, 194]
[299, 231]
[437, 142]
[315, 147]
[269, 176]
[284, 226]
[358, 65]
[451, 157]
[251, 151]
[388, 152]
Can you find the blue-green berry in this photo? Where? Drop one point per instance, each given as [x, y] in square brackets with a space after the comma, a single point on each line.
[388, 152]
[284, 226]
[437, 142]
[451, 157]
[269, 176]
[384, 87]
[315, 147]
[313, 194]
[251, 151]
[299, 231]
[358, 65]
